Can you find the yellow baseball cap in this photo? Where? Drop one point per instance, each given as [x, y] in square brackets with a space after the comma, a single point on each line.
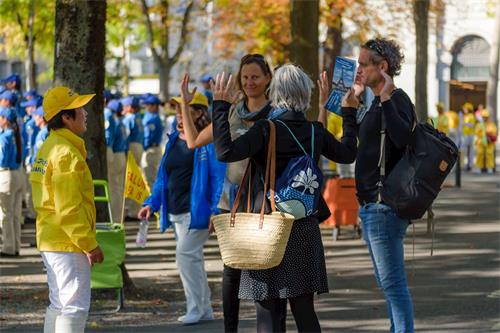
[62, 98]
[175, 100]
[468, 106]
[198, 99]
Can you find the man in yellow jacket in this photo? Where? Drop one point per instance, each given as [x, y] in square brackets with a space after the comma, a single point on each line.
[63, 197]
[441, 121]
[468, 124]
[486, 137]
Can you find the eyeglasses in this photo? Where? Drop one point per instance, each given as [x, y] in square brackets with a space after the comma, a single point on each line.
[374, 46]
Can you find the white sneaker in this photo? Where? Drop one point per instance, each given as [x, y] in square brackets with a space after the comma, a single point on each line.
[490, 171]
[189, 319]
[194, 319]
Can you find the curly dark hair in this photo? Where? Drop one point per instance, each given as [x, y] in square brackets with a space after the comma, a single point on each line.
[388, 50]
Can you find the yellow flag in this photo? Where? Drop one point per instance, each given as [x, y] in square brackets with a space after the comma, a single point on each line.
[136, 187]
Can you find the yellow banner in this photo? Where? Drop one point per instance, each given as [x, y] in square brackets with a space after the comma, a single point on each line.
[136, 187]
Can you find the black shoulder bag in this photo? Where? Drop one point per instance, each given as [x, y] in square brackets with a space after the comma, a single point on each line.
[416, 179]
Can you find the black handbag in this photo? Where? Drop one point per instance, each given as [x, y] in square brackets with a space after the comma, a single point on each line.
[416, 179]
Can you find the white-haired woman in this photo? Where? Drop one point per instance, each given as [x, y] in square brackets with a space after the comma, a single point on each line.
[302, 271]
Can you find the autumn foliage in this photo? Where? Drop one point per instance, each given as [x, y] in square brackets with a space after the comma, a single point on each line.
[257, 26]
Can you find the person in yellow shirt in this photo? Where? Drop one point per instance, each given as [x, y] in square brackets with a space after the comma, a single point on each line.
[441, 121]
[334, 126]
[486, 137]
[453, 125]
[63, 197]
[468, 120]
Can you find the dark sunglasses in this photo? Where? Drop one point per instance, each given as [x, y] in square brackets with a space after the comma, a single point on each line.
[374, 46]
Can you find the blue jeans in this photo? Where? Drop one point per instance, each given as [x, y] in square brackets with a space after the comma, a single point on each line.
[384, 233]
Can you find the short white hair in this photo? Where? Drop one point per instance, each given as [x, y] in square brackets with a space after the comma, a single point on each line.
[290, 89]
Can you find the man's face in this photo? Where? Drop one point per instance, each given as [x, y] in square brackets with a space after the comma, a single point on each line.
[10, 85]
[30, 109]
[153, 108]
[368, 72]
[79, 124]
[38, 120]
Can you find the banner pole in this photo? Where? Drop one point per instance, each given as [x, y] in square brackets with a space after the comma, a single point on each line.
[124, 183]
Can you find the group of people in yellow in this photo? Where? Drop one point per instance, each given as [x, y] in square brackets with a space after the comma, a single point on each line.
[474, 133]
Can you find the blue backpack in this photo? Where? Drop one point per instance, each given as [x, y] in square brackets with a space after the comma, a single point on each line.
[298, 189]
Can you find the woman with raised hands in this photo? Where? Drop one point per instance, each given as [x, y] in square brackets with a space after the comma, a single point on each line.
[253, 79]
[187, 190]
[302, 271]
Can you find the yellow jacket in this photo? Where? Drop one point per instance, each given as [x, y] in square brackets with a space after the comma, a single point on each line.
[453, 120]
[484, 129]
[63, 195]
[441, 123]
[334, 126]
[469, 124]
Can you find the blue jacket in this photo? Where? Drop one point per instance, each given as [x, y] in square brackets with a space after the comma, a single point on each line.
[153, 129]
[8, 149]
[134, 128]
[120, 144]
[206, 187]
[28, 134]
[109, 127]
[40, 139]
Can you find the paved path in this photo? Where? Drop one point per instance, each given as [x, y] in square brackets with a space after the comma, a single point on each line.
[455, 290]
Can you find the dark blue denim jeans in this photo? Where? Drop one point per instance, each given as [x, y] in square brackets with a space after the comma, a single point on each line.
[384, 233]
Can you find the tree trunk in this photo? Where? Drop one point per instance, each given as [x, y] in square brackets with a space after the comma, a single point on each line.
[304, 19]
[492, 89]
[164, 75]
[421, 18]
[30, 59]
[125, 71]
[441, 66]
[79, 64]
[333, 46]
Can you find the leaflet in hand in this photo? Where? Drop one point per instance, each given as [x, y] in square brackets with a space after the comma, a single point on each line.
[343, 79]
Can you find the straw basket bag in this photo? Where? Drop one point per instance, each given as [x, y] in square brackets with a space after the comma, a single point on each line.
[250, 240]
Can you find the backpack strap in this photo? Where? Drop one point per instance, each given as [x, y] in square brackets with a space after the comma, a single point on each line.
[297, 141]
[381, 160]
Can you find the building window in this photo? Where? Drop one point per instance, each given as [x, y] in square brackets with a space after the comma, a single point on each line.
[470, 59]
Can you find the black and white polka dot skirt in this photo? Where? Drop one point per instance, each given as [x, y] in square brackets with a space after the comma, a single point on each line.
[302, 270]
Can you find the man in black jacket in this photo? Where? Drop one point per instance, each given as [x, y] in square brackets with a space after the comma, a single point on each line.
[379, 61]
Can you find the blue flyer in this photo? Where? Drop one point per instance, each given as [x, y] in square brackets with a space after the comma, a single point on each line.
[344, 73]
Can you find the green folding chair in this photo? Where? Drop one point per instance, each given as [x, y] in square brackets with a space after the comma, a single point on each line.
[111, 238]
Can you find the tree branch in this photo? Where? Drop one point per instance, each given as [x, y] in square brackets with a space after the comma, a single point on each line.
[184, 33]
[21, 25]
[149, 28]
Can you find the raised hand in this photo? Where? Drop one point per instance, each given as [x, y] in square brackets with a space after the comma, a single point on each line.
[388, 87]
[350, 100]
[324, 88]
[222, 90]
[186, 95]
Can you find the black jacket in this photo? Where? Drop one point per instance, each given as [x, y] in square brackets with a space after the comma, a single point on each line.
[253, 143]
[399, 118]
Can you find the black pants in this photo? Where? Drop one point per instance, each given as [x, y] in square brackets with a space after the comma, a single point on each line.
[271, 314]
[230, 301]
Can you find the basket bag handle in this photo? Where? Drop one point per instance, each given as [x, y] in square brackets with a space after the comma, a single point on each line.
[270, 176]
